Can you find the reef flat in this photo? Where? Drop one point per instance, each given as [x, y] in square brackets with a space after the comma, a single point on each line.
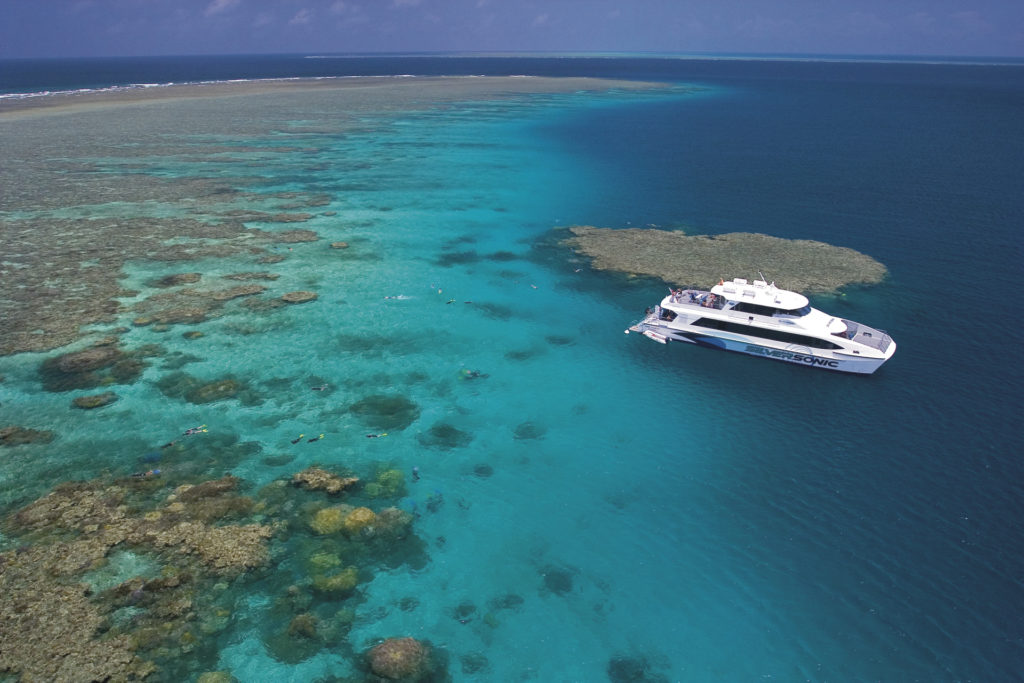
[93, 180]
[440, 87]
[701, 260]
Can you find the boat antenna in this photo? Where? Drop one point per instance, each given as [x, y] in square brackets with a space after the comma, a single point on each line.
[763, 278]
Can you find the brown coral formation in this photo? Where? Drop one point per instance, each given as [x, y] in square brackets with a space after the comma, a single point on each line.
[102, 515]
[19, 436]
[87, 360]
[177, 279]
[50, 630]
[94, 401]
[317, 479]
[92, 367]
[259, 275]
[234, 292]
[187, 543]
[54, 629]
[701, 260]
[400, 659]
[299, 297]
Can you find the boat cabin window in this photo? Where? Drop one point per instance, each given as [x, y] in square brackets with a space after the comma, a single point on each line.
[776, 335]
[798, 312]
[758, 309]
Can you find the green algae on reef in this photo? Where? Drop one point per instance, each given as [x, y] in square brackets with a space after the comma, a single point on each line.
[701, 260]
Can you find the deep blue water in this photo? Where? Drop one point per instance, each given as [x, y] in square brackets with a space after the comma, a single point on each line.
[35, 75]
[879, 518]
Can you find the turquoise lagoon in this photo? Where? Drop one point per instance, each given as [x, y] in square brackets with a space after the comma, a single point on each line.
[710, 517]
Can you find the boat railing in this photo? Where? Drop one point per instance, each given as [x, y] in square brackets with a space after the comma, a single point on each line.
[868, 336]
[697, 297]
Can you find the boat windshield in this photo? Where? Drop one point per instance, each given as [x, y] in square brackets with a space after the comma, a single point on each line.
[798, 312]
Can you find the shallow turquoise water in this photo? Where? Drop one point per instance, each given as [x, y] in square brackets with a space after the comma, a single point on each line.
[727, 519]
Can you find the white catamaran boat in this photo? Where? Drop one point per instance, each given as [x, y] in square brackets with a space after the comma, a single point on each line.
[760, 319]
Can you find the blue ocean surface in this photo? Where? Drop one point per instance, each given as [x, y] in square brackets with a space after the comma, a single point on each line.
[593, 506]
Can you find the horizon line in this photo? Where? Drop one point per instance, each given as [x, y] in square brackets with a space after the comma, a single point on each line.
[575, 54]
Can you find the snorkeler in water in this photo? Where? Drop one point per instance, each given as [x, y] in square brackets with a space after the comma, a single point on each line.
[315, 438]
[298, 438]
[376, 436]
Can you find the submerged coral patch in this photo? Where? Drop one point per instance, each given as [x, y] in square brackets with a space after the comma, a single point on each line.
[558, 580]
[386, 411]
[529, 430]
[19, 436]
[194, 390]
[700, 260]
[445, 436]
[299, 297]
[94, 401]
[90, 368]
[456, 258]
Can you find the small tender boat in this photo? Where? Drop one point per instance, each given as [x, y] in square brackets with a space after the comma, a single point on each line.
[760, 319]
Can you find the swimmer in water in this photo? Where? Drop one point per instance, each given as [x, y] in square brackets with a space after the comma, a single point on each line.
[315, 438]
[376, 436]
[415, 473]
[298, 438]
[322, 387]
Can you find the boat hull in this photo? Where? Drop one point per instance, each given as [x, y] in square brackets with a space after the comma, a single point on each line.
[795, 355]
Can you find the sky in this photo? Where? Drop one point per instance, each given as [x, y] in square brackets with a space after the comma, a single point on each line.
[94, 28]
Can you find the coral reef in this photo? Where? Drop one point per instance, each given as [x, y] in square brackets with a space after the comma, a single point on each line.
[317, 479]
[55, 629]
[194, 390]
[298, 297]
[359, 520]
[176, 279]
[529, 430]
[632, 669]
[336, 583]
[86, 360]
[143, 574]
[445, 437]
[700, 260]
[260, 275]
[90, 368]
[50, 630]
[328, 521]
[400, 659]
[95, 400]
[389, 483]
[389, 412]
[474, 663]
[558, 580]
[19, 436]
